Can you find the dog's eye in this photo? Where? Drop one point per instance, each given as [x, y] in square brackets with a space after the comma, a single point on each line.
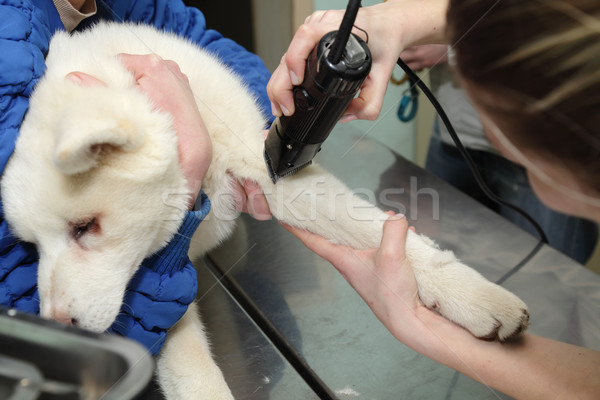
[79, 229]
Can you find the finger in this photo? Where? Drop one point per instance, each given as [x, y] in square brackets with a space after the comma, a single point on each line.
[275, 110]
[139, 64]
[173, 67]
[142, 65]
[275, 94]
[409, 54]
[416, 65]
[347, 117]
[257, 202]
[83, 79]
[370, 99]
[279, 90]
[391, 253]
[318, 244]
[304, 41]
[394, 232]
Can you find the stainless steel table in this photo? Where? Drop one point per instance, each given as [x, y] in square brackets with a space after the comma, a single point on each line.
[285, 325]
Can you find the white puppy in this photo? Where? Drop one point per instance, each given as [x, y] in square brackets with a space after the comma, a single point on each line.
[93, 169]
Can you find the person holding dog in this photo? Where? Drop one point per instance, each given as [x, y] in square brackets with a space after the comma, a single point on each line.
[27, 27]
[531, 70]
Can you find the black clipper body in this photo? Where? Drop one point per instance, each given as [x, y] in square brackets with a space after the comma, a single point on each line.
[320, 102]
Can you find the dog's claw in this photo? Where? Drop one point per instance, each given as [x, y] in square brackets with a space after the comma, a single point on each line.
[499, 332]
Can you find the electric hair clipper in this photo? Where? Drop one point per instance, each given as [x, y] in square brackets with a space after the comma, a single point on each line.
[335, 71]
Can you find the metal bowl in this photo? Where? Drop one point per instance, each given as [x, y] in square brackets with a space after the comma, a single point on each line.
[41, 359]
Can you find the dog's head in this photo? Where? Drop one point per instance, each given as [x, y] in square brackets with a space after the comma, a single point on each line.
[95, 184]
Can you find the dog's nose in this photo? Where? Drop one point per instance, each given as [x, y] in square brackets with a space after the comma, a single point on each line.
[56, 308]
[63, 318]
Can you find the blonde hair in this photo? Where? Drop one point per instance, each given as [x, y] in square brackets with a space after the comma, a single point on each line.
[538, 61]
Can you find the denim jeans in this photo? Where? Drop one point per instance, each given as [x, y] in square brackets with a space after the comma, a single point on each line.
[575, 237]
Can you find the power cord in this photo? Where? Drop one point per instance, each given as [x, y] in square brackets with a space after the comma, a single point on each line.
[413, 77]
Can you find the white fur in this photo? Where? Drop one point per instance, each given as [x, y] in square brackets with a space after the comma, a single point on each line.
[103, 153]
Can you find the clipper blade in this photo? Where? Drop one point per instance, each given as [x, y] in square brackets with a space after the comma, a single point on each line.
[275, 177]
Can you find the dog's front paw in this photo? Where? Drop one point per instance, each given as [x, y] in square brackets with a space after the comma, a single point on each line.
[465, 297]
[494, 313]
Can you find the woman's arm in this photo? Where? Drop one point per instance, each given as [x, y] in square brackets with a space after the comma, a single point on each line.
[530, 367]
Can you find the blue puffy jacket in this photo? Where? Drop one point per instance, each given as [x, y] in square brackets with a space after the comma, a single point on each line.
[166, 283]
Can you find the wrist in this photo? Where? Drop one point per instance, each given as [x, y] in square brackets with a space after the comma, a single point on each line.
[421, 22]
[447, 343]
[427, 332]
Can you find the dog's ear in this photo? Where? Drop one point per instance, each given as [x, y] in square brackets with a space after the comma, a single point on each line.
[95, 122]
[83, 139]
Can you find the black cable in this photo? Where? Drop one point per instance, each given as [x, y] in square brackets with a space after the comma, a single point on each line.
[339, 44]
[484, 187]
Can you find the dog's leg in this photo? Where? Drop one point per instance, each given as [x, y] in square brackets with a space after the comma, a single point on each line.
[185, 367]
[316, 201]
